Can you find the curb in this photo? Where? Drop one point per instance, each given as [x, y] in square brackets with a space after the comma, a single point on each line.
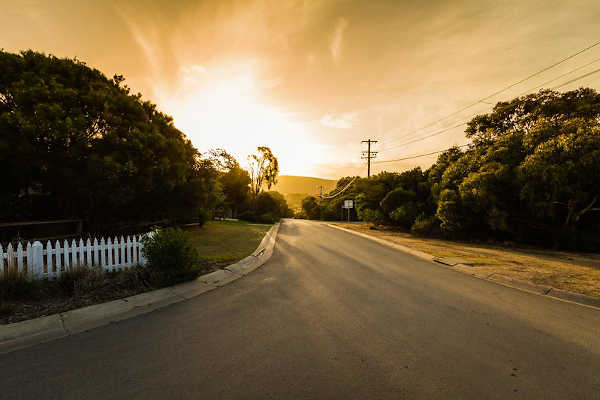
[518, 284]
[27, 333]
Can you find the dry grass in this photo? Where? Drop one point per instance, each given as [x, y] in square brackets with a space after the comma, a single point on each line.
[575, 272]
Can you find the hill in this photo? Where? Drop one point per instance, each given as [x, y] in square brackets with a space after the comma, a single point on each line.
[287, 184]
[296, 188]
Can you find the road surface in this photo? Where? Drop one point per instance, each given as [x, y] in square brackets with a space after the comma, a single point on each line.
[330, 316]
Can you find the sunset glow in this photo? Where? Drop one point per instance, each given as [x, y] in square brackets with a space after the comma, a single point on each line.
[214, 107]
[312, 79]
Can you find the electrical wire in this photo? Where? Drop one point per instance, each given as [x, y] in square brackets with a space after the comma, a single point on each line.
[578, 78]
[418, 155]
[482, 100]
[523, 93]
[340, 192]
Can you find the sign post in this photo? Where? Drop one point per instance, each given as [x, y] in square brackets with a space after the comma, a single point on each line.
[348, 204]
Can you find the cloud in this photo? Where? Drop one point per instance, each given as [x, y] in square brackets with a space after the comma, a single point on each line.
[339, 121]
[192, 73]
[338, 39]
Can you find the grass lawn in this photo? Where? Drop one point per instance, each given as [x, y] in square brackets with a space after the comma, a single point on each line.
[226, 242]
[575, 272]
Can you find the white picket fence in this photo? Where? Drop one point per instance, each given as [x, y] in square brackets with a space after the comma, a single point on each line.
[38, 262]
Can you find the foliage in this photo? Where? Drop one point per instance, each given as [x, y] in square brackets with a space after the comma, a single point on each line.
[425, 225]
[264, 169]
[74, 143]
[233, 182]
[532, 174]
[170, 253]
[283, 210]
[268, 208]
[310, 208]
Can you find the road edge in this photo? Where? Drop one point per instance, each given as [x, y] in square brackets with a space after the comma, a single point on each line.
[525, 286]
[28, 333]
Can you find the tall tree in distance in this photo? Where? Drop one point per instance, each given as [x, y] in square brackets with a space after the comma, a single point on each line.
[263, 168]
[222, 161]
[234, 181]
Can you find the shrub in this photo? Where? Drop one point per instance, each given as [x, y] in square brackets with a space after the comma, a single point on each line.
[267, 218]
[426, 226]
[70, 280]
[404, 215]
[372, 216]
[15, 286]
[170, 253]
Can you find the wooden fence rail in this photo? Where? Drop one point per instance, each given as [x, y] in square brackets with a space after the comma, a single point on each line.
[38, 261]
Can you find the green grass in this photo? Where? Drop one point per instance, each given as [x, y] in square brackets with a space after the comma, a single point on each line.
[226, 242]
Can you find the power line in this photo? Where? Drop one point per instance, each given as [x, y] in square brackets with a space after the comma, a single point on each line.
[482, 100]
[523, 93]
[428, 136]
[417, 156]
[560, 76]
[464, 123]
[340, 192]
[578, 78]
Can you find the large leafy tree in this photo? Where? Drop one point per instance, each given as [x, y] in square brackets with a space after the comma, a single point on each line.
[561, 178]
[74, 143]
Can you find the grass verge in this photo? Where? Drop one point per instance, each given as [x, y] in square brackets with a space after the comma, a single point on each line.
[221, 243]
[574, 272]
[218, 243]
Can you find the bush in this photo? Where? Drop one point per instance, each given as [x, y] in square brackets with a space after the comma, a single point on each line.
[15, 286]
[372, 216]
[170, 253]
[267, 218]
[426, 226]
[404, 215]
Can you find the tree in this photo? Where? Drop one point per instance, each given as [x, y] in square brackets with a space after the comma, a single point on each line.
[562, 176]
[264, 169]
[235, 186]
[74, 143]
[284, 209]
[222, 160]
[310, 208]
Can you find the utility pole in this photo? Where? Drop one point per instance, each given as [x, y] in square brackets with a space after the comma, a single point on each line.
[321, 190]
[368, 155]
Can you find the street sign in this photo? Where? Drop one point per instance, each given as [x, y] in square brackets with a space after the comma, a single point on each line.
[348, 204]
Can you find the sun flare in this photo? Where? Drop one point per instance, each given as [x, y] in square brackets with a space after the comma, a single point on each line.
[212, 110]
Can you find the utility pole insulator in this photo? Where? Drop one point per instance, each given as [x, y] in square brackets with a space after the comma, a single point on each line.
[368, 155]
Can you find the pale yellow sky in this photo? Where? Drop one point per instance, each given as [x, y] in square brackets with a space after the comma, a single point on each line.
[311, 79]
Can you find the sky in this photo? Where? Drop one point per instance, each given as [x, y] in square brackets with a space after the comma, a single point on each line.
[312, 79]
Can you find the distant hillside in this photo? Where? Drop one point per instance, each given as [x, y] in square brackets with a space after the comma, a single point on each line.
[287, 184]
[296, 188]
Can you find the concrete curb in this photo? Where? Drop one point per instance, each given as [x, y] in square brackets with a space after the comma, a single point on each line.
[526, 286]
[39, 330]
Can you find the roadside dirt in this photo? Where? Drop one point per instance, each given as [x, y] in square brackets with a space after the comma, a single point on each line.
[100, 291]
[574, 272]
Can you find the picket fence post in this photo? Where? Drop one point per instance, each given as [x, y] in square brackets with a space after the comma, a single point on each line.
[10, 257]
[37, 267]
[58, 261]
[49, 259]
[1, 260]
[19, 258]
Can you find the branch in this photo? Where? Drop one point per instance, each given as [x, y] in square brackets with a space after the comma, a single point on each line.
[588, 208]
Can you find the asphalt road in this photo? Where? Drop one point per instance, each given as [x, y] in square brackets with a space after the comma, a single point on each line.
[330, 316]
